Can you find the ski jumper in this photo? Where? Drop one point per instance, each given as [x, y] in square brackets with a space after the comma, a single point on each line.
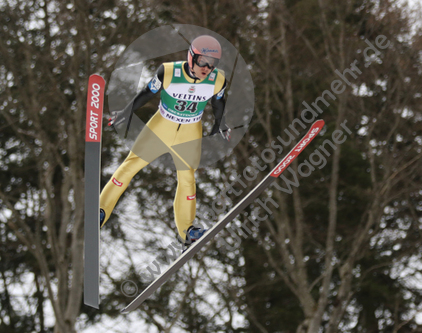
[175, 128]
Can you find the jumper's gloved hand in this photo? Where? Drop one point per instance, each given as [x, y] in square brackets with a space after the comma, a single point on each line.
[121, 117]
[222, 128]
[117, 117]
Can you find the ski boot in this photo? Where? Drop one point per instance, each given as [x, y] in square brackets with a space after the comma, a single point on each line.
[193, 234]
[102, 217]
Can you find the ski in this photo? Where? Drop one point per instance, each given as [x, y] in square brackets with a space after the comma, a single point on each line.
[94, 116]
[199, 244]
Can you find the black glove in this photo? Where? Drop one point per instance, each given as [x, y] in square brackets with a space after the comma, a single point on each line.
[222, 128]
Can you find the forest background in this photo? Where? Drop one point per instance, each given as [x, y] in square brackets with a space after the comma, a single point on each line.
[339, 253]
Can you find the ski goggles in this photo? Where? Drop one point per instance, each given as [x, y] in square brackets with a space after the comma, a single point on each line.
[204, 61]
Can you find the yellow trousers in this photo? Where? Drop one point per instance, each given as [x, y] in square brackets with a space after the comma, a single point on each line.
[160, 136]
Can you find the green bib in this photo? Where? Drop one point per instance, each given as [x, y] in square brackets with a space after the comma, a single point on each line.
[183, 101]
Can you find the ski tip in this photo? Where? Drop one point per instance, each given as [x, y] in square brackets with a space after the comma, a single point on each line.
[306, 139]
[97, 77]
[320, 122]
[318, 125]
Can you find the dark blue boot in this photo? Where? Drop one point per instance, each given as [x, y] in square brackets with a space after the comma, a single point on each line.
[102, 217]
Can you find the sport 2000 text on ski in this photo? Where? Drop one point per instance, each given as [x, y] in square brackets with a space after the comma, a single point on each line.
[93, 130]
